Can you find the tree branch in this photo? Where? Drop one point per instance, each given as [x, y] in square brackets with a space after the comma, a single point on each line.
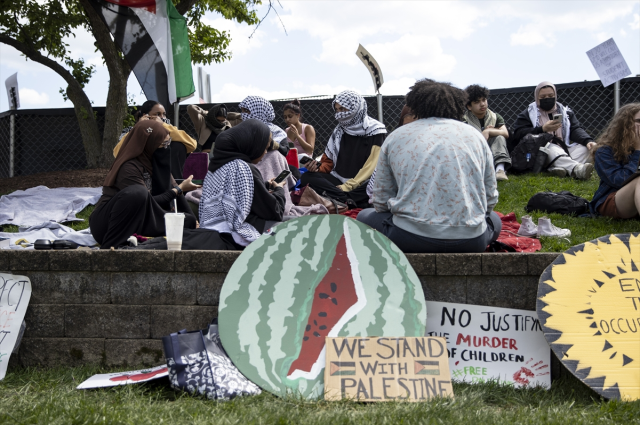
[185, 5]
[265, 17]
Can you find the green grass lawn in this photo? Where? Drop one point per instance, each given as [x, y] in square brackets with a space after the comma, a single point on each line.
[514, 195]
[36, 396]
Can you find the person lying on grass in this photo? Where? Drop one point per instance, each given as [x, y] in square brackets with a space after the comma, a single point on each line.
[617, 157]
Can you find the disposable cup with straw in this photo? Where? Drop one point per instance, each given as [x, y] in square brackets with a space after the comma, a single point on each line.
[174, 223]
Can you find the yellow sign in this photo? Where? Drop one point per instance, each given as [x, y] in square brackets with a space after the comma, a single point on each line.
[383, 369]
[589, 308]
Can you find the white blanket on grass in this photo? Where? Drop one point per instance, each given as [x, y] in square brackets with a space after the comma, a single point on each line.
[40, 204]
[26, 236]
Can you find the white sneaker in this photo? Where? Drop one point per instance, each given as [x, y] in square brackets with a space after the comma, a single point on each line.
[557, 171]
[501, 176]
[545, 228]
[582, 171]
[527, 228]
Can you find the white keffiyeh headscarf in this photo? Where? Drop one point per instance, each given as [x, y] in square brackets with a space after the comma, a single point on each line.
[355, 122]
[261, 109]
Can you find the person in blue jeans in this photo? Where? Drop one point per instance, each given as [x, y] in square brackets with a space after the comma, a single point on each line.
[435, 185]
[617, 158]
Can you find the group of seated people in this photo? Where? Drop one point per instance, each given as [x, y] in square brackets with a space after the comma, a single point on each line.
[430, 186]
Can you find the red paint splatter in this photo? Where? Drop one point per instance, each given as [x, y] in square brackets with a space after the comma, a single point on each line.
[522, 376]
[457, 362]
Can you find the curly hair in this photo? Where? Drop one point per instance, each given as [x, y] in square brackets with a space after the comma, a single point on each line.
[429, 98]
[475, 93]
[620, 134]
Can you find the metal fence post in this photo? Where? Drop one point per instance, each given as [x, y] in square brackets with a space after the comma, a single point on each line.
[616, 97]
[380, 116]
[12, 141]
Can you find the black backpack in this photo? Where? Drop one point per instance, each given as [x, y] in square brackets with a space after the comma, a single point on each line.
[523, 156]
[563, 202]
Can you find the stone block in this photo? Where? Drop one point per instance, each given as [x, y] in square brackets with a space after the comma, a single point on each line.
[503, 291]
[4, 260]
[28, 260]
[458, 264]
[44, 321]
[539, 261]
[70, 260]
[209, 287]
[205, 261]
[53, 352]
[106, 321]
[423, 264]
[167, 319]
[502, 264]
[448, 289]
[132, 261]
[153, 288]
[70, 288]
[134, 352]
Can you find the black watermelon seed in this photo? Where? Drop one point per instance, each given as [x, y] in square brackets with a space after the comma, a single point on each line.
[308, 327]
[333, 300]
[323, 296]
[323, 327]
[316, 334]
[322, 314]
[334, 287]
[305, 338]
[315, 323]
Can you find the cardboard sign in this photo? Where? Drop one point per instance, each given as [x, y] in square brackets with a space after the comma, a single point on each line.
[15, 292]
[608, 62]
[384, 369]
[311, 278]
[491, 343]
[372, 65]
[13, 94]
[124, 378]
[589, 308]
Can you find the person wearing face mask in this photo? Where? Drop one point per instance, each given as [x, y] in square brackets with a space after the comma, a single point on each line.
[208, 124]
[181, 143]
[570, 154]
[351, 154]
[139, 189]
[617, 158]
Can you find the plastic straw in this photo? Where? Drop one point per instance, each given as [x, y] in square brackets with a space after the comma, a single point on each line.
[175, 206]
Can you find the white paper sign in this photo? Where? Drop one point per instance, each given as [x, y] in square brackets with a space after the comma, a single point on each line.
[492, 343]
[11, 84]
[124, 378]
[608, 62]
[15, 292]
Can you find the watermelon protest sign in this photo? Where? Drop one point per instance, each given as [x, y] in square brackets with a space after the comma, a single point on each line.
[385, 369]
[492, 343]
[589, 308]
[124, 378]
[314, 277]
[15, 292]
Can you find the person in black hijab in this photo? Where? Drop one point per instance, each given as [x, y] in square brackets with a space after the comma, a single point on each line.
[139, 189]
[235, 197]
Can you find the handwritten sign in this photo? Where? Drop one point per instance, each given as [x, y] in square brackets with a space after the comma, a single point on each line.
[124, 378]
[491, 343]
[383, 369]
[608, 62]
[589, 309]
[15, 292]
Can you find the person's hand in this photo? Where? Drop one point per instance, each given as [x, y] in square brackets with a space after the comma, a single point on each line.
[551, 126]
[312, 166]
[485, 133]
[340, 187]
[591, 146]
[292, 132]
[275, 185]
[187, 185]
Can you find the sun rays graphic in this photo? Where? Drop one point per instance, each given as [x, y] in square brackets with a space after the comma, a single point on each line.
[589, 306]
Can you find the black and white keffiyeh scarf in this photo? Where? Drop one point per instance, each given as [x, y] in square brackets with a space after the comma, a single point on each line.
[355, 122]
[226, 200]
[261, 109]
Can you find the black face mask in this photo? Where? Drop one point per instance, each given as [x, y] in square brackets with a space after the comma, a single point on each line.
[548, 103]
[161, 175]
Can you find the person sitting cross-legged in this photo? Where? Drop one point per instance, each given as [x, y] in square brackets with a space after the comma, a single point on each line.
[491, 125]
[435, 185]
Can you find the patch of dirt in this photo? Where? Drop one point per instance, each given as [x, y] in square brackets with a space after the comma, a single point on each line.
[72, 178]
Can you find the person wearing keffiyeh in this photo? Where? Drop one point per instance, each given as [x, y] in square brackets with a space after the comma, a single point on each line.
[351, 154]
[259, 108]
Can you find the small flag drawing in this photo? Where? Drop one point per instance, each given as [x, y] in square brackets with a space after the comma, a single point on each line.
[420, 367]
[343, 368]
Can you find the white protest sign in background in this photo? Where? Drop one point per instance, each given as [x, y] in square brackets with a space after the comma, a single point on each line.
[15, 292]
[11, 84]
[608, 62]
[124, 378]
[492, 343]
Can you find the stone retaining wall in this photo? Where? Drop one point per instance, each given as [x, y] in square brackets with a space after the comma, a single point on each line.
[112, 307]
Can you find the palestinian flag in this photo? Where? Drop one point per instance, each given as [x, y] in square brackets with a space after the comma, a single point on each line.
[154, 39]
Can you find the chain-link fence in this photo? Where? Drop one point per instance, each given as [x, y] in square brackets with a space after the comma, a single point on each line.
[49, 139]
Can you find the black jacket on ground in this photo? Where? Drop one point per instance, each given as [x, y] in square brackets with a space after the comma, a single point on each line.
[524, 126]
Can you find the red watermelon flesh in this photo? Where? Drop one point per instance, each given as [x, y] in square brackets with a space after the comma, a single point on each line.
[333, 296]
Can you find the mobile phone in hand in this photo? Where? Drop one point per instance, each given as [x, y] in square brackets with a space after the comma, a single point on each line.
[557, 117]
[283, 175]
[199, 182]
[305, 159]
